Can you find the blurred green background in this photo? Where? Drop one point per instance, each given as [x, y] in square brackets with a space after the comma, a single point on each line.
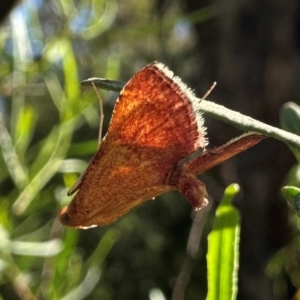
[49, 129]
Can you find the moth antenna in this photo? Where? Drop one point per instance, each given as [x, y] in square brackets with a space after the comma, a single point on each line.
[209, 91]
[101, 114]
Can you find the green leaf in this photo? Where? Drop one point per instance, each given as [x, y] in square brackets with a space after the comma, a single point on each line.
[24, 128]
[222, 256]
[72, 82]
[10, 158]
[67, 266]
[290, 117]
[290, 121]
[110, 237]
[92, 266]
[292, 195]
[49, 168]
[84, 148]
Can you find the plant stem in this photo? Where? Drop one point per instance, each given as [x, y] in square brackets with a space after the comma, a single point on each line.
[220, 112]
[246, 123]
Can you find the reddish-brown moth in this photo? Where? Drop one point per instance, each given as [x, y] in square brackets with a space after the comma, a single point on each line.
[155, 125]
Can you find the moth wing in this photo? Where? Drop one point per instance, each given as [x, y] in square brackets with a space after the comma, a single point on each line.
[156, 110]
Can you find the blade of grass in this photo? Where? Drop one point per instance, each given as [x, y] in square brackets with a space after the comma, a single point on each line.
[92, 266]
[67, 267]
[24, 129]
[72, 105]
[105, 245]
[60, 143]
[49, 168]
[86, 286]
[222, 256]
[15, 168]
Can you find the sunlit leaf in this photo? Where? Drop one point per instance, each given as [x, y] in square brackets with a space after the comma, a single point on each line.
[24, 128]
[223, 253]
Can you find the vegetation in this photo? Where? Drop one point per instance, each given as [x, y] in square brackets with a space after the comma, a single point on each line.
[48, 133]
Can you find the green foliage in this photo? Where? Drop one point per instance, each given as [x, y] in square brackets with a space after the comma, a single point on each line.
[38, 258]
[223, 249]
[285, 261]
[290, 121]
[48, 132]
[292, 195]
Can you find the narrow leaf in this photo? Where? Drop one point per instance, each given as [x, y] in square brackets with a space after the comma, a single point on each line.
[222, 256]
[292, 195]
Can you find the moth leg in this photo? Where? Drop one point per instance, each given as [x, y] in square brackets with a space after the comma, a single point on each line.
[101, 117]
[190, 186]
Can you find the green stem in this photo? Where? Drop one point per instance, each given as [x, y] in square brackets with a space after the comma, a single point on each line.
[219, 112]
[248, 124]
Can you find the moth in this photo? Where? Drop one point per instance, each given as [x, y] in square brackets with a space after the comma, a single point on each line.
[155, 126]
